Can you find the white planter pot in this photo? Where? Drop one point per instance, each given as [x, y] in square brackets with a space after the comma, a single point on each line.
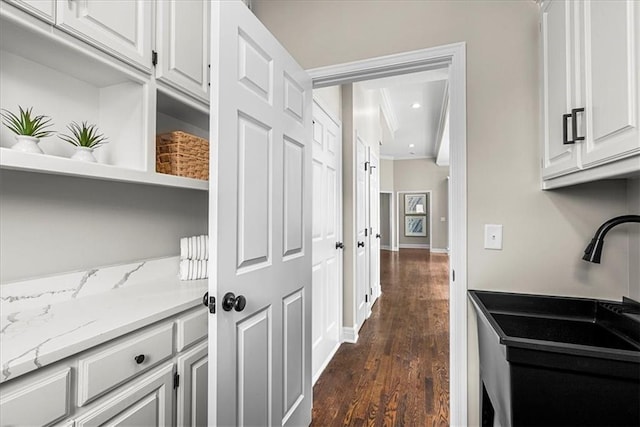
[85, 154]
[27, 144]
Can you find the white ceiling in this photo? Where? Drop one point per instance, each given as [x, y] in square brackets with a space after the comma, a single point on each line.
[419, 126]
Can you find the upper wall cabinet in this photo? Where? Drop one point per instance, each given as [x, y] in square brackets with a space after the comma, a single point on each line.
[43, 9]
[182, 43]
[122, 28]
[591, 90]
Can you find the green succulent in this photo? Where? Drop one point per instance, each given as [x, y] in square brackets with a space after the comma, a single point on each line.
[84, 135]
[25, 124]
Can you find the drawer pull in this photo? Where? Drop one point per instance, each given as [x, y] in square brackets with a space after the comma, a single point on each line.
[139, 359]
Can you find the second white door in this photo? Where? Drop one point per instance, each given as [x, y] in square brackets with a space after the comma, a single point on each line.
[326, 281]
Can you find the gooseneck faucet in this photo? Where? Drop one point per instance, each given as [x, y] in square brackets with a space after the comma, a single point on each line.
[594, 249]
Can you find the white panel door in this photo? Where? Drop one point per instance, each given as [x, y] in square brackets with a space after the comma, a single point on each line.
[558, 69]
[260, 217]
[327, 239]
[374, 226]
[182, 40]
[123, 28]
[611, 55]
[362, 232]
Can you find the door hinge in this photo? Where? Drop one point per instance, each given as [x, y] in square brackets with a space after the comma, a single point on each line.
[176, 380]
[366, 166]
[366, 298]
[366, 232]
[453, 275]
[154, 58]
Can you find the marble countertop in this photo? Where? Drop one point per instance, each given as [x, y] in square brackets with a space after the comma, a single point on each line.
[48, 319]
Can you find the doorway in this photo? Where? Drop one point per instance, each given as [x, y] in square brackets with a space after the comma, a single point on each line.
[387, 218]
[452, 57]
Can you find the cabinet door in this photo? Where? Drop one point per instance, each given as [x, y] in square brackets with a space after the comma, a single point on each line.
[122, 28]
[182, 41]
[610, 51]
[147, 402]
[558, 71]
[192, 391]
[43, 9]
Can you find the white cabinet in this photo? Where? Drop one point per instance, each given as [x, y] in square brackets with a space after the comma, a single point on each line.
[43, 9]
[591, 90]
[147, 402]
[192, 390]
[182, 45]
[123, 28]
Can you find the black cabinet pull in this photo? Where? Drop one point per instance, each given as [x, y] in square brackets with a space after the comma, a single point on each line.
[565, 130]
[574, 124]
[361, 244]
[139, 359]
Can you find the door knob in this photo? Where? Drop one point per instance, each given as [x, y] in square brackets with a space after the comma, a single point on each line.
[339, 245]
[361, 244]
[230, 301]
[378, 236]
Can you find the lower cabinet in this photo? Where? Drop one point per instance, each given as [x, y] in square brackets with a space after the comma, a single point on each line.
[156, 376]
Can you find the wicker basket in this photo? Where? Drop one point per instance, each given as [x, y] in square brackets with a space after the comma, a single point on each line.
[179, 153]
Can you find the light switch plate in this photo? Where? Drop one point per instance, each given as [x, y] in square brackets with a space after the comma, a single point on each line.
[493, 236]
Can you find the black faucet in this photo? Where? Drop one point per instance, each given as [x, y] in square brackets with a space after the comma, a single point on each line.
[594, 249]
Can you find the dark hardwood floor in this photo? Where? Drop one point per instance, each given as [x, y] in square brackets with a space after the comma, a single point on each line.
[398, 372]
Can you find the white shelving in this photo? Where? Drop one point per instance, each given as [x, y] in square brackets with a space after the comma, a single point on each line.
[42, 163]
[68, 80]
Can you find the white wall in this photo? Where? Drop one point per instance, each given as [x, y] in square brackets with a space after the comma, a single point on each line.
[544, 232]
[52, 224]
[330, 98]
[386, 175]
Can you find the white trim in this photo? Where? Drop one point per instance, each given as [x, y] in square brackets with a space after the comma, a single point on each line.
[392, 219]
[389, 115]
[349, 334]
[325, 363]
[409, 157]
[385, 248]
[386, 157]
[439, 251]
[443, 117]
[414, 246]
[453, 55]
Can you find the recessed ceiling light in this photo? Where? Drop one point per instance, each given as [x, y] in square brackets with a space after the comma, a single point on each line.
[412, 145]
[415, 105]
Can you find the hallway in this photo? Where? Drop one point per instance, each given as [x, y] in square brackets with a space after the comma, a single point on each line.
[398, 372]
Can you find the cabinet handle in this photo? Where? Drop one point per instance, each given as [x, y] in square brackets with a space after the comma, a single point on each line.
[565, 130]
[574, 123]
[139, 359]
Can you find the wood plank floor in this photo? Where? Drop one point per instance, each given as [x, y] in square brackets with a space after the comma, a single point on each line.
[398, 372]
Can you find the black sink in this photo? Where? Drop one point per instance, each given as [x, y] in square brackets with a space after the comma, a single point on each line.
[557, 361]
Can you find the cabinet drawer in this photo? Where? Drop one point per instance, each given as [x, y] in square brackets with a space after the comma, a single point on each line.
[116, 362]
[192, 327]
[38, 403]
[147, 402]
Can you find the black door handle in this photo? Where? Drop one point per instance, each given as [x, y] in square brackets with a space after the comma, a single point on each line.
[378, 236]
[361, 244]
[230, 301]
[574, 124]
[565, 130]
[339, 245]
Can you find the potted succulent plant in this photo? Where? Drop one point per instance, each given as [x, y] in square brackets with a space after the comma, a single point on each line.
[85, 138]
[28, 129]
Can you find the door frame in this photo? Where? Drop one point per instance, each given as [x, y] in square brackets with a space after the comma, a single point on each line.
[429, 196]
[392, 220]
[454, 57]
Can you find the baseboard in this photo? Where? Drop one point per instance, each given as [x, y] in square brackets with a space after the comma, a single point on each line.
[439, 251]
[325, 364]
[349, 334]
[414, 246]
[385, 247]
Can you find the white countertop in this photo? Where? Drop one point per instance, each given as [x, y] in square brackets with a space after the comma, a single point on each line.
[46, 320]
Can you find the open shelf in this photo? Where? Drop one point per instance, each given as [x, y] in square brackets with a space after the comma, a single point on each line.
[43, 163]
